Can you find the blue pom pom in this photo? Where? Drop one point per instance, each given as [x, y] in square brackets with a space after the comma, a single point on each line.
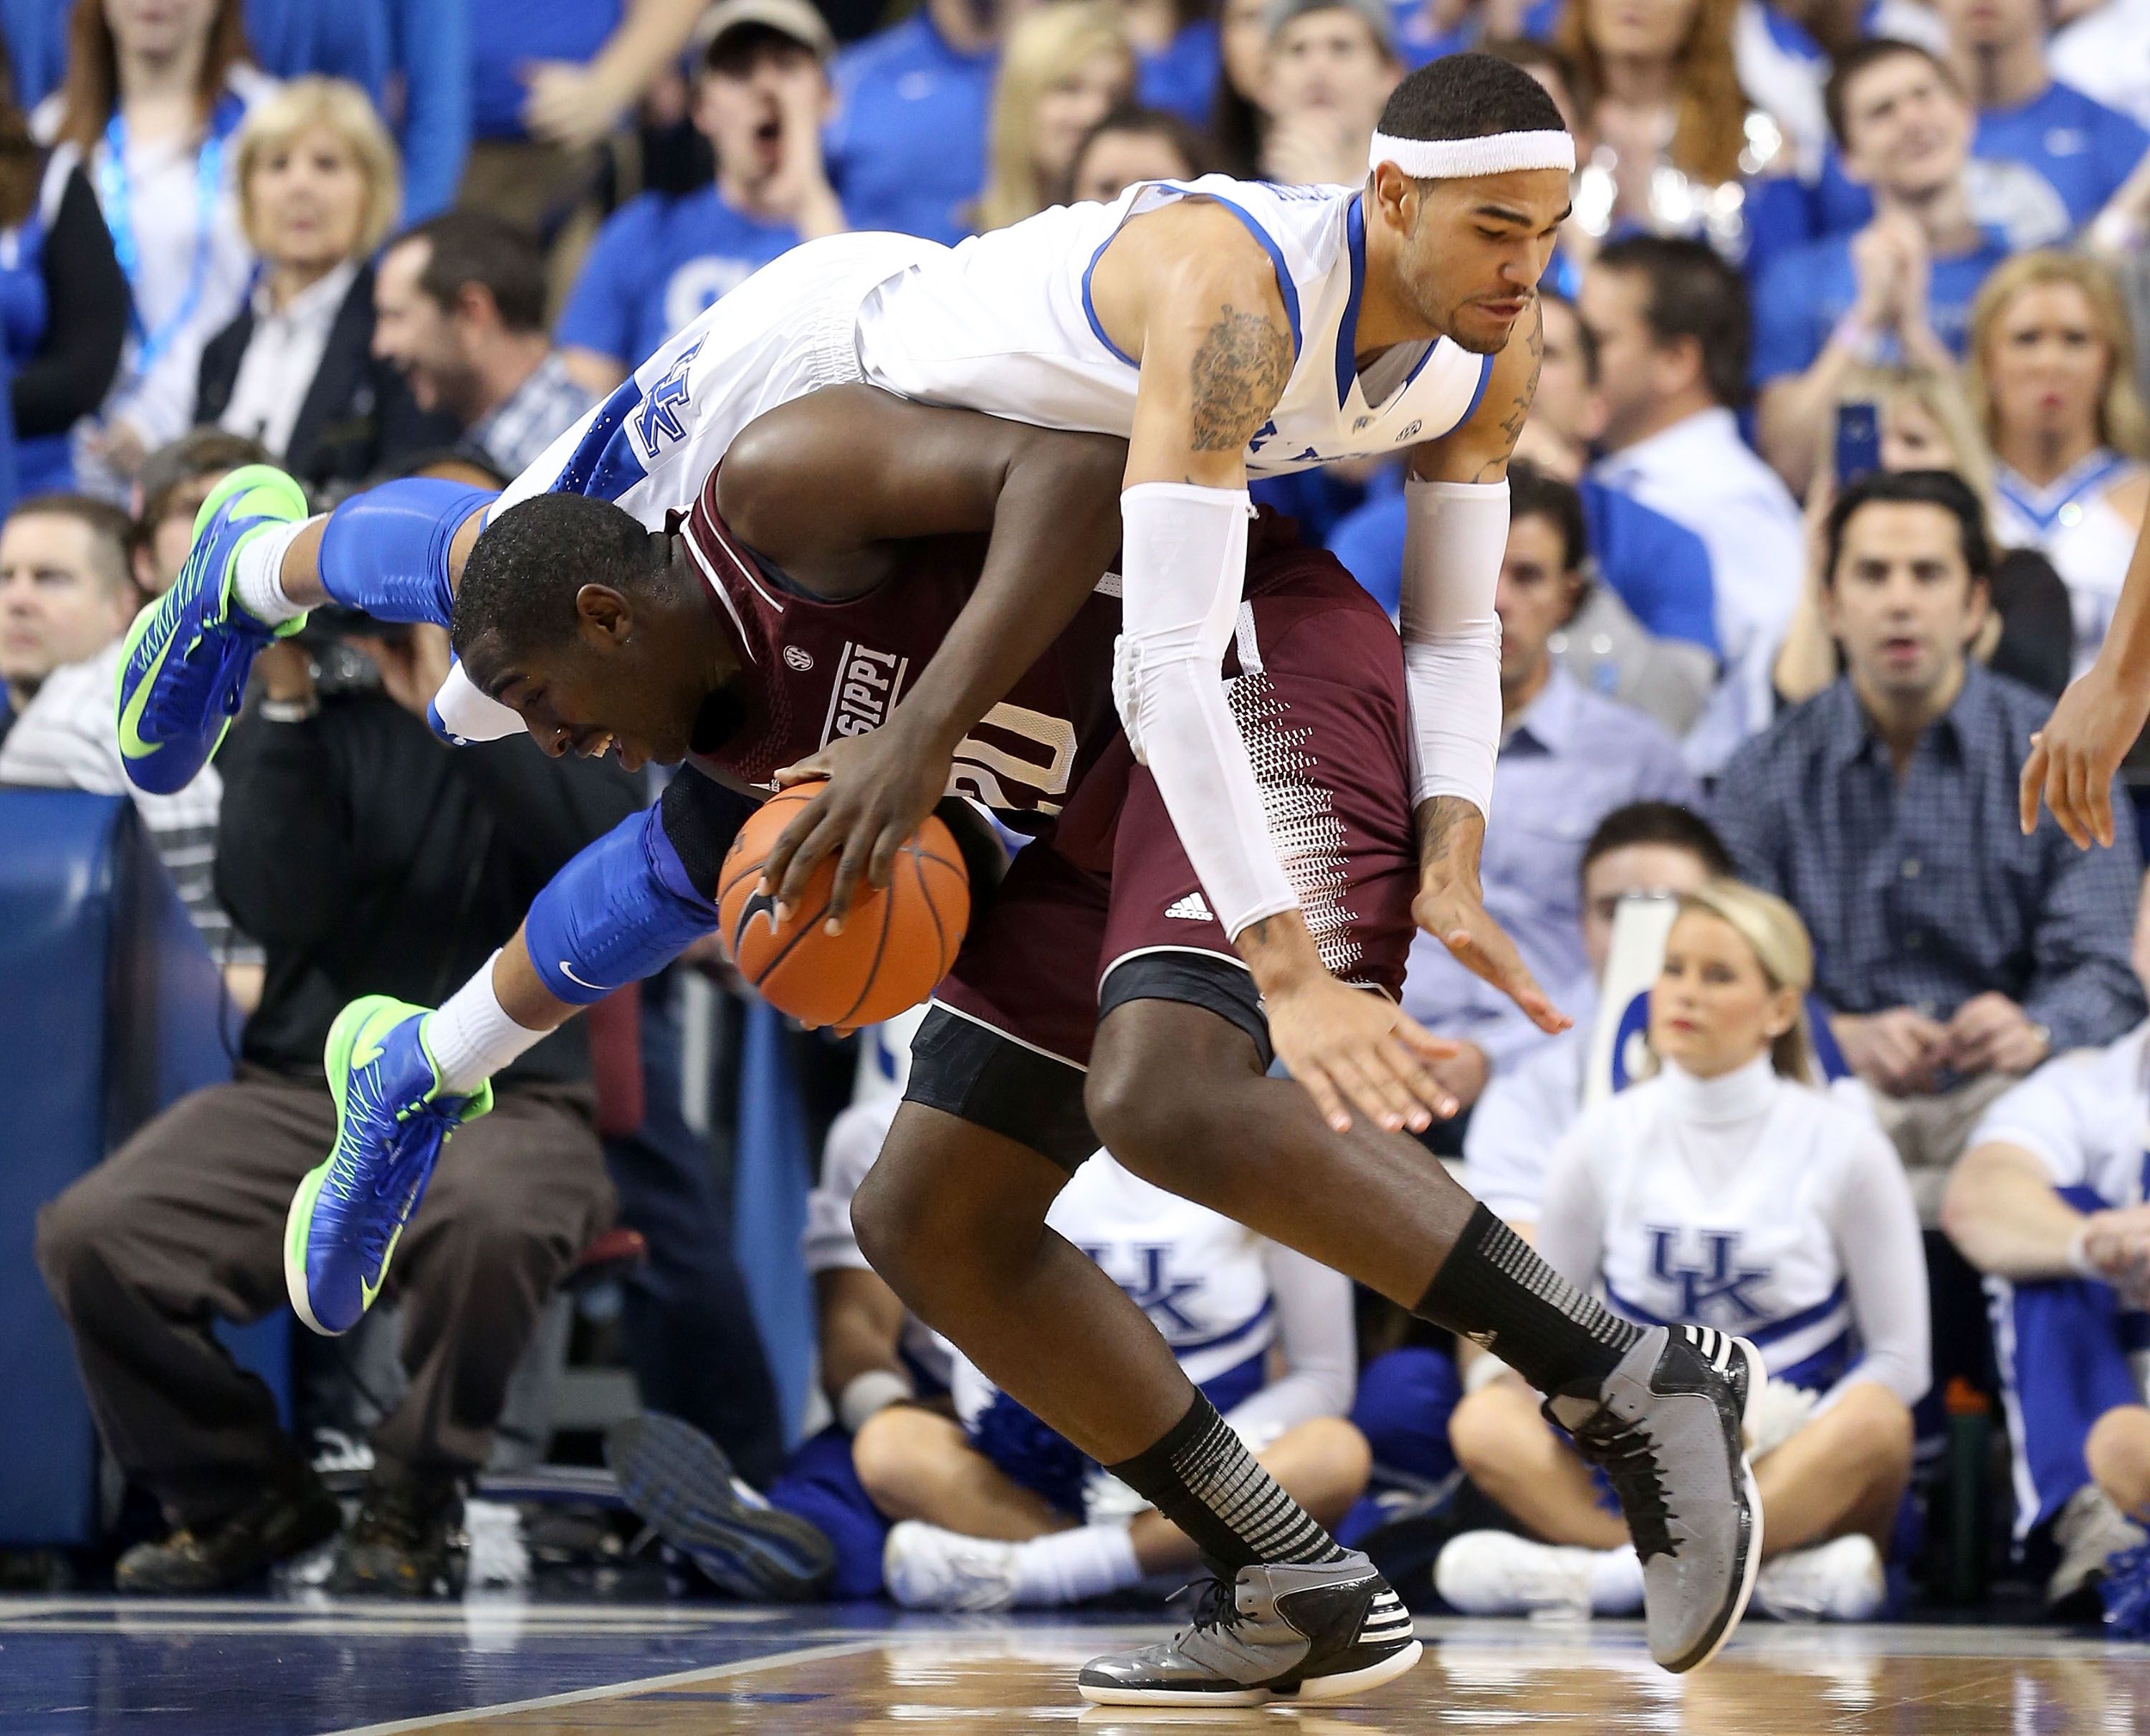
[2125, 1591]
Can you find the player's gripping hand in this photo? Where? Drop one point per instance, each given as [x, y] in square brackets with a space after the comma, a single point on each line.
[2074, 757]
[1354, 1050]
[881, 786]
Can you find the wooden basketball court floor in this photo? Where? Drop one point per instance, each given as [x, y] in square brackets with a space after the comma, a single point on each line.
[97, 1667]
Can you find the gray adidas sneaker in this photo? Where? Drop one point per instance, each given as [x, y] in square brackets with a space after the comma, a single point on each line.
[1279, 1630]
[1667, 1429]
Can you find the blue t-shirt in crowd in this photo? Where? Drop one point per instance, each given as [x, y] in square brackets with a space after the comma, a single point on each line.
[1659, 569]
[1802, 294]
[2039, 171]
[907, 148]
[1181, 78]
[425, 45]
[506, 35]
[37, 33]
[1418, 42]
[657, 263]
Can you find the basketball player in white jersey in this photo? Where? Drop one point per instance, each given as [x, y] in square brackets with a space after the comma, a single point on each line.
[1220, 327]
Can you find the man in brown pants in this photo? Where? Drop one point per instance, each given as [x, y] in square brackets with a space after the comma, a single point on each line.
[367, 858]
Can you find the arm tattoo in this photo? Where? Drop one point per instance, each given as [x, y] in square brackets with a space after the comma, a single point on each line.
[1448, 825]
[1519, 407]
[1240, 373]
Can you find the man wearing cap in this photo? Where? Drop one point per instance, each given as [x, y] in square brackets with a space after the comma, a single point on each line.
[760, 96]
[1332, 65]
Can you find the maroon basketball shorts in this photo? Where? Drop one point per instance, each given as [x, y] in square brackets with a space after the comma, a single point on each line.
[1106, 908]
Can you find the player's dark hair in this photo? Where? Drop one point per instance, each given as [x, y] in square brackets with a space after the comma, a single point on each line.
[471, 247]
[1662, 823]
[1534, 494]
[1942, 488]
[1871, 52]
[1586, 340]
[518, 588]
[1693, 293]
[1469, 96]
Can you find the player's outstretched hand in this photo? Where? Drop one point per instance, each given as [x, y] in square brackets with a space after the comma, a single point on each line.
[881, 787]
[1453, 912]
[2074, 757]
[1355, 1050]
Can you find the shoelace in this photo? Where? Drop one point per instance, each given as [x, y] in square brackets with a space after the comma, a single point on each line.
[1628, 1457]
[178, 696]
[1215, 1606]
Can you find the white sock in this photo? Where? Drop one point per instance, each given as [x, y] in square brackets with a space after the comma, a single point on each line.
[471, 1037]
[258, 575]
[1616, 1581]
[1069, 1566]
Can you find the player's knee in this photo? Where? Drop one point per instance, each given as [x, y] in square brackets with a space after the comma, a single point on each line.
[1141, 1116]
[1481, 1433]
[892, 1216]
[2116, 1453]
[1880, 1428]
[894, 1453]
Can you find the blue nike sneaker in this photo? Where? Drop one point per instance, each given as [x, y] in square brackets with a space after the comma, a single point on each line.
[392, 1121]
[185, 671]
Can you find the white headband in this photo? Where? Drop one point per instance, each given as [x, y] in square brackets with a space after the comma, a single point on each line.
[1455, 159]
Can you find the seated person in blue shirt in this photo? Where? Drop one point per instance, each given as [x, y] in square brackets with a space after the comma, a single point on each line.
[2048, 158]
[907, 147]
[1176, 41]
[1898, 291]
[761, 92]
[1651, 595]
[1955, 952]
[1568, 757]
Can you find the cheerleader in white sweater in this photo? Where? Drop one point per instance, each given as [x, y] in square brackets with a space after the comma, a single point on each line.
[1727, 1191]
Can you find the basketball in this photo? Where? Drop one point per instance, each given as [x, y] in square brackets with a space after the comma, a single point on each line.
[897, 945]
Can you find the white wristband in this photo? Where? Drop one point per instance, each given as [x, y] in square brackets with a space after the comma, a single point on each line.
[2079, 1259]
[868, 1395]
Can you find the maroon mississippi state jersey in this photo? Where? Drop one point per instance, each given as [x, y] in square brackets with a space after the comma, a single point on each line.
[818, 669]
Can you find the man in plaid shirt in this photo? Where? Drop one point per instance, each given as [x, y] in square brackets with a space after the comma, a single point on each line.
[459, 310]
[1956, 953]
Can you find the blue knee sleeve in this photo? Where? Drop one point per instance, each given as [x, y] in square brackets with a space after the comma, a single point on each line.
[623, 909]
[386, 551]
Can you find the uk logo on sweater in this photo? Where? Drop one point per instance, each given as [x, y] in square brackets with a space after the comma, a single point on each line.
[1714, 1285]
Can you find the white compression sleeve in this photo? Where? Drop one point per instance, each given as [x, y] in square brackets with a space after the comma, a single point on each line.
[1455, 536]
[1184, 564]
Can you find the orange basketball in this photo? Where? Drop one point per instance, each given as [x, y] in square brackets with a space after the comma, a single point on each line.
[897, 945]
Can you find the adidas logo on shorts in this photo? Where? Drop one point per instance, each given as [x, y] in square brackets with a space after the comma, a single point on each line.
[1189, 909]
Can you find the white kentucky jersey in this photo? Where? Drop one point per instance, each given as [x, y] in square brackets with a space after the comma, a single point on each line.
[1202, 1279]
[1004, 323]
[2085, 1115]
[1742, 1202]
[2075, 525]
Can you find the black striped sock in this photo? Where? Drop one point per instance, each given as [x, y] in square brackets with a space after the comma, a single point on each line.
[1202, 1478]
[1494, 1288]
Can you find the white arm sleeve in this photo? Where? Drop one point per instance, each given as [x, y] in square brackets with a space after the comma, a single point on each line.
[1184, 562]
[1876, 1227]
[1316, 1333]
[1455, 536]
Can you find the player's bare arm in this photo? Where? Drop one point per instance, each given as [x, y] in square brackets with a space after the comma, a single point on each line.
[1451, 830]
[820, 486]
[2073, 758]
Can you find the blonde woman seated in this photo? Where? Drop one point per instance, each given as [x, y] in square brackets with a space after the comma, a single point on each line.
[1926, 423]
[1064, 69]
[2053, 379]
[1726, 1191]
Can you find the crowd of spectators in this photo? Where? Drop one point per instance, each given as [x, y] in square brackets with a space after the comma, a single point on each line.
[1838, 453]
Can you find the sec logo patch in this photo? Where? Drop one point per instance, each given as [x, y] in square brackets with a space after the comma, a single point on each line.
[798, 657]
